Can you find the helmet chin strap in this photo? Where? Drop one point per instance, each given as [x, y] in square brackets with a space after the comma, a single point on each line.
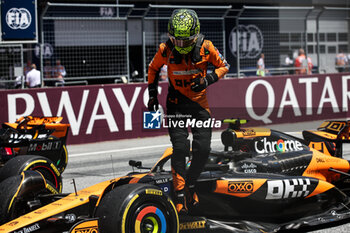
[177, 55]
[184, 51]
[196, 57]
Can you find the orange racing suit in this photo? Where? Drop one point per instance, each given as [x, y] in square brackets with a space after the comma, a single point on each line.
[181, 72]
[183, 101]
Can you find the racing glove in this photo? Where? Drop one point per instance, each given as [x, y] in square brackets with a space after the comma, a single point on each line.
[200, 83]
[153, 104]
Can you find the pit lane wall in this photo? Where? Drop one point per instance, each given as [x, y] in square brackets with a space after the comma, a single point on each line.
[110, 112]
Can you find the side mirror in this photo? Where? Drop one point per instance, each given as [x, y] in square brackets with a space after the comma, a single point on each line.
[134, 163]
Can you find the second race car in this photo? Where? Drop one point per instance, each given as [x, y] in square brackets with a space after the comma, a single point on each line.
[34, 143]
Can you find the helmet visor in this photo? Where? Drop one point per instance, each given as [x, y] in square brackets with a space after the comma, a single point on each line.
[183, 43]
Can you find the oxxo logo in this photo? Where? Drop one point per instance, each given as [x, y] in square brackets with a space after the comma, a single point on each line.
[87, 230]
[240, 187]
[250, 40]
[18, 18]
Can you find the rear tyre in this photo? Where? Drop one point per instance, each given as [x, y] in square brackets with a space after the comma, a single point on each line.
[137, 208]
[19, 194]
[59, 157]
[45, 166]
[63, 160]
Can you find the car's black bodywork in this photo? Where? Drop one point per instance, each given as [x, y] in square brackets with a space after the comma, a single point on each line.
[263, 181]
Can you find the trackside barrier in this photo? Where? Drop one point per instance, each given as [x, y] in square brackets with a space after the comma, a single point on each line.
[109, 112]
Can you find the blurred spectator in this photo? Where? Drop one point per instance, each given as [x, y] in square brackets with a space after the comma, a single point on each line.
[59, 73]
[302, 64]
[341, 61]
[33, 77]
[288, 63]
[27, 68]
[18, 83]
[134, 73]
[48, 74]
[310, 65]
[261, 66]
[48, 70]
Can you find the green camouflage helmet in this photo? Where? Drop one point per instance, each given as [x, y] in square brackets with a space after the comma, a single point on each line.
[183, 28]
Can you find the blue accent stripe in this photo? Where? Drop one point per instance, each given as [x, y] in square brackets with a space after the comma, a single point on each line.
[162, 219]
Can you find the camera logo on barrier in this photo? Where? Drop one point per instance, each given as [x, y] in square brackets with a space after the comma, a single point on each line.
[18, 18]
[152, 120]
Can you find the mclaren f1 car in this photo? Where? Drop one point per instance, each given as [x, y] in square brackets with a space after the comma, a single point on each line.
[34, 143]
[262, 181]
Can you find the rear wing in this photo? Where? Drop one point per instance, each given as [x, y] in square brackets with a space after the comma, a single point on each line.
[329, 137]
[337, 129]
[32, 121]
[235, 124]
[235, 132]
[29, 127]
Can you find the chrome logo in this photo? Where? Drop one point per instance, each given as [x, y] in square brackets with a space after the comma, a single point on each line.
[281, 146]
[264, 146]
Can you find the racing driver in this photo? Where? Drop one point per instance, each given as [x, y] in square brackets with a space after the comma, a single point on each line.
[186, 54]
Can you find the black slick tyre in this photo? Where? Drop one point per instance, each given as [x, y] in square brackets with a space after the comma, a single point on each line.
[19, 194]
[137, 208]
[45, 166]
[59, 157]
[63, 160]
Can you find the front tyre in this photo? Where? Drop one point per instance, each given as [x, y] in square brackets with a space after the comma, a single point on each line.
[137, 208]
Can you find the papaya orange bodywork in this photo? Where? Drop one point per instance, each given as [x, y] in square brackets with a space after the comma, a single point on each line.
[320, 164]
[252, 132]
[320, 146]
[89, 226]
[66, 203]
[238, 187]
[322, 187]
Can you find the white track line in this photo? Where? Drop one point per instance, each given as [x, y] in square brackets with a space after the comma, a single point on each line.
[125, 149]
[138, 148]
[119, 150]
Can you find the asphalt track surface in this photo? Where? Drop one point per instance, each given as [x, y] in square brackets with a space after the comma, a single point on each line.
[92, 163]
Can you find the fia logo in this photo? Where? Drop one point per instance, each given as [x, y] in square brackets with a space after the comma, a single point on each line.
[18, 18]
[107, 11]
[250, 41]
[47, 50]
[152, 120]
